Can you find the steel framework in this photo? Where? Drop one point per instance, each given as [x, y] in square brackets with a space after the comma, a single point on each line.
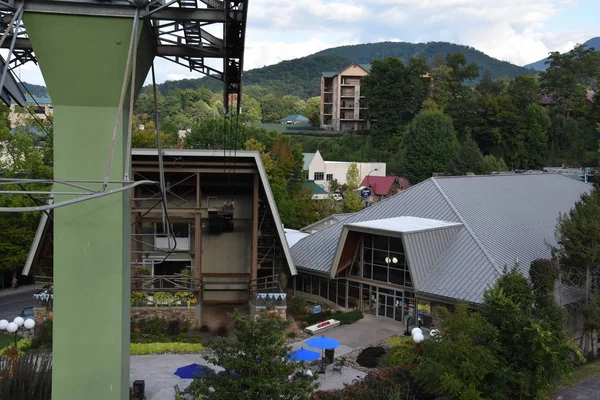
[180, 29]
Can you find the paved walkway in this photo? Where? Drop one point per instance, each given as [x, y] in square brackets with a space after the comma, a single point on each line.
[586, 390]
[157, 372]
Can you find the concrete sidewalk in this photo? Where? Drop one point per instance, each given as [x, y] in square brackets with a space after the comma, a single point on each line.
[21, 290]
[158, 373]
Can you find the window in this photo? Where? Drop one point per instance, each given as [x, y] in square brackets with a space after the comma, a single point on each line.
[306, 175]
[329, 177]
[318, 176]
[384, 260]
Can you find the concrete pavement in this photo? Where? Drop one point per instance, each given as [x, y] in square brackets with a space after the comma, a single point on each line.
[586, 390]
[12, 301]
[158, 373]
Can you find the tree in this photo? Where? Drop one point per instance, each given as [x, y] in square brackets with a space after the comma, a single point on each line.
[351, 202]
[394, 92]
[429, 145]
[536, 123]
[257, 363]
[493, 164]
[313, 110]
[531, 357]
[352, 177]
[578, 234]
[459, 363]
[489, 86]
[468, 159]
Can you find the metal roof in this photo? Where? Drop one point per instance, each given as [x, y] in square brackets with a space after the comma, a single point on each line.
[308, 157]
[401, 225]
[333, 217]
[506, 218]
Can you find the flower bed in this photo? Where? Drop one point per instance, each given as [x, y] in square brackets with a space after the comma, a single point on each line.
[384, 384]
[137, 349]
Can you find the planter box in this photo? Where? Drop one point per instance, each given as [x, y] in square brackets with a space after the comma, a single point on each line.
[321, 326]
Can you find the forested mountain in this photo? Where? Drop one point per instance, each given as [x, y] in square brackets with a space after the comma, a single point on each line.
[36, 90]
[301, 77]
[541, 64]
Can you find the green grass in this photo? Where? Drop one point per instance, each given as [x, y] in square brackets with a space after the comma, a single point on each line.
[137, 349]
[580, 374]
[6, 340]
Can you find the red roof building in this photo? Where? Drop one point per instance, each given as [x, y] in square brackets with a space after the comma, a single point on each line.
[385, 185]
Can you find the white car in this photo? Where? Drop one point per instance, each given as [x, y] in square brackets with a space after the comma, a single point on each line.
[337, 196]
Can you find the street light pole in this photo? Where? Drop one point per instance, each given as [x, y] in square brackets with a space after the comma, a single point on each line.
[13, 327]
[369, 176]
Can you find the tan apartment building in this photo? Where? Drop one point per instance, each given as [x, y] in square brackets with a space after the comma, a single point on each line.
[342, 104]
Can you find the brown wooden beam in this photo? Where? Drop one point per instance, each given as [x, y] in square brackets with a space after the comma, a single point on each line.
[225, 274]
[197, 163]
[205, 170]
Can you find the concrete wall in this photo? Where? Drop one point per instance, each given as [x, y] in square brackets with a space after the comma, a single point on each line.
[229, 252]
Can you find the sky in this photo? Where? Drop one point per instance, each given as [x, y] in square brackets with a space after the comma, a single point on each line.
[518, 31]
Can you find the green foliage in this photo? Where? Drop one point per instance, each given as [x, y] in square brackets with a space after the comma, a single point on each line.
[352, 177]
[352, 202]
[402, 352]
[259, 359]
[140, 349]
[138, 298]
[493, 164]
[388, 384]
[429, 145]
[27, 377]
[578, 232]
[459, 362]
[394, 92]
[43, 333]
[535, 355]
[468, 159]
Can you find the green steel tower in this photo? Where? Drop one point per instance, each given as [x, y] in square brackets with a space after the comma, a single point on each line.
[95, 56]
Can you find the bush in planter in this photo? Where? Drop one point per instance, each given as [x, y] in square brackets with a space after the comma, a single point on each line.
[154, 326]
[350, 317]
[173, 327]
[204, 328]
[222, 331]
[402, 352]
[137, 349]
[292, 334]
[298, 307]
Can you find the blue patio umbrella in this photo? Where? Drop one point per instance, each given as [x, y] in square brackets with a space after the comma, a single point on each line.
[193, 371]
[323, 342]
[303, 355]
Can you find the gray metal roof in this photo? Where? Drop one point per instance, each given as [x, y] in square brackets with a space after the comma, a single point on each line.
[506, 218]
[307, 159]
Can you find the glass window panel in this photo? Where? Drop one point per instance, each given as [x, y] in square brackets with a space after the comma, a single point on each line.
[368, 240]
[396, 245]
[380, 273]
[355, 270]
[396, 276]
[368, 256]
[341, 293]
[299, 280]
[332, 292]
[315, 286]
[381, 242]
[353, 295]
[367, 271]
[307, 285]
[386, 291]
[379, 257]
[323, 287]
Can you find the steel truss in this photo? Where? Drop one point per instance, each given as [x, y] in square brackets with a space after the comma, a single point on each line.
[179, 28]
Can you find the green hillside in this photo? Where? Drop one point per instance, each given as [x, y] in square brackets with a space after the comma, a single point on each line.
[301, 77]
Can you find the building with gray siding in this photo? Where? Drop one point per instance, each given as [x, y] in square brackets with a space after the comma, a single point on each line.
[443, 240]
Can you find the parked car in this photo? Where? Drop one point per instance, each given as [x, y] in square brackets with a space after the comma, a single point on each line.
[337, 196]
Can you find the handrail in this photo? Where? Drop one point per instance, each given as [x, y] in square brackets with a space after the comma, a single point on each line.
[165, 283]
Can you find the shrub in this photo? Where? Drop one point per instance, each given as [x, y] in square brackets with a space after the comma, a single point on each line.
[173, 327]
[43, 333]
[154, 326]
[222, 330]
[292, 334]
[298, 308]
[204, 328]
[27, 377]
[369, 357]
[137, 349]
[401, 353]
[389, 383]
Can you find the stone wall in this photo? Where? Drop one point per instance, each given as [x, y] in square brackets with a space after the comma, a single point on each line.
[167, 313]
[42, 314]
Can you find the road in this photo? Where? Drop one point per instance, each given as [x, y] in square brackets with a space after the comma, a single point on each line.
[12, 301]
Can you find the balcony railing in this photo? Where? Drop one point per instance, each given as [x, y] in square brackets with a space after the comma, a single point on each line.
[165, 283]
[266, 300]
[166, 243]
[266, 292]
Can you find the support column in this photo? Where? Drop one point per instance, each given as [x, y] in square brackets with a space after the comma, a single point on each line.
[83, 59]
[254, 250]
[198, 249]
